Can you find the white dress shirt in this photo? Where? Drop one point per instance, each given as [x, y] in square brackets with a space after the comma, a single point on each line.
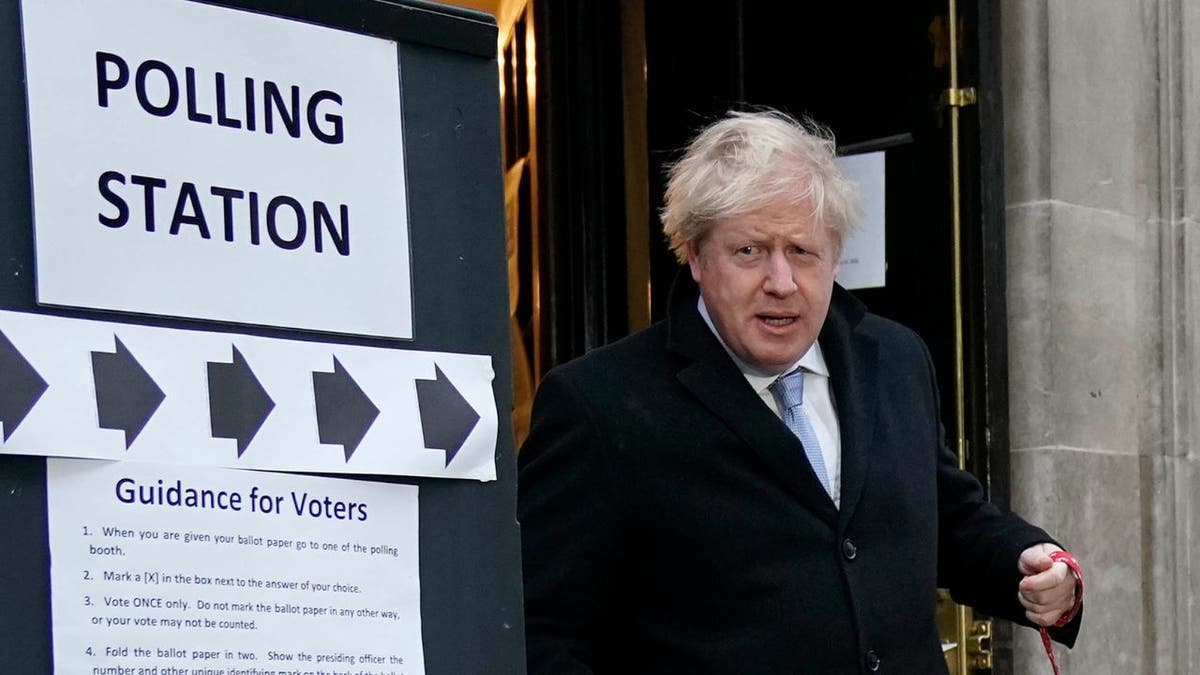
[818, 402]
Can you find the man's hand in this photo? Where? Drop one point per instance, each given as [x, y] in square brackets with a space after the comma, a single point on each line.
[1048, 589]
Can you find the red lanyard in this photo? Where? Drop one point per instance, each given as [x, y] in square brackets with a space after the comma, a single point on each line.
[1069, 560]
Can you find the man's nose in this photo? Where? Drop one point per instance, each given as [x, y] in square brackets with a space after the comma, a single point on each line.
[779, 279]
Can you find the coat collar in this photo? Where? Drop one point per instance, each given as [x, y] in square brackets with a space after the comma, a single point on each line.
[713, 378]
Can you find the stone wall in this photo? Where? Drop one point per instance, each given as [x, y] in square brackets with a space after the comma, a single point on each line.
[1102, 157]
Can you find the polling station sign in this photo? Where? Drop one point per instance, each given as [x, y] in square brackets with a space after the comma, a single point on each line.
[204, 162]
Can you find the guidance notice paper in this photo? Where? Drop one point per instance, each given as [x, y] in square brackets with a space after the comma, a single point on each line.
[166, 570]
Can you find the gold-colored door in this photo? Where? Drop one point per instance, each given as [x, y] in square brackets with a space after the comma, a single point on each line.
[966, 641]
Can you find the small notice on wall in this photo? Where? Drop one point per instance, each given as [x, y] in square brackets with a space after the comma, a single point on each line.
[162, 570]
[864, 255]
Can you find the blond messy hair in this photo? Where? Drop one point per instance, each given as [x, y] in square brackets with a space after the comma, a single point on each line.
[750, 160]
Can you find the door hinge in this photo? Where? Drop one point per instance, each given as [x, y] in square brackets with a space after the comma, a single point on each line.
[959, 98]
[979, 646]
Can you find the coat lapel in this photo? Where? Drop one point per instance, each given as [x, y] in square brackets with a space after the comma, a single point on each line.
[716, 382]
[852, 355]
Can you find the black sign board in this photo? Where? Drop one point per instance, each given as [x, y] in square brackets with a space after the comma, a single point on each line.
[470, 588]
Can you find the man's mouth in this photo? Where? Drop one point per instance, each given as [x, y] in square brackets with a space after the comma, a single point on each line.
[777, 321]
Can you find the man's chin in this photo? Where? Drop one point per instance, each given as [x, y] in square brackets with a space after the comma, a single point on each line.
[772, 364]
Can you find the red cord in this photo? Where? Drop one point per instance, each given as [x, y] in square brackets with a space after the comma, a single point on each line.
[1069, 560]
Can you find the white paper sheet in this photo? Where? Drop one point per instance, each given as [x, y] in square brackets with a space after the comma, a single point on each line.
[864, 255]
[281, 574]
[414, 395]
[178, 151]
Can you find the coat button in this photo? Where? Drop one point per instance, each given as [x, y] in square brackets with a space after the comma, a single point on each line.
[872, 660]
[849, 549]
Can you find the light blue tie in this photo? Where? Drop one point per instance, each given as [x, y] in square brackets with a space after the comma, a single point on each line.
[788, 391]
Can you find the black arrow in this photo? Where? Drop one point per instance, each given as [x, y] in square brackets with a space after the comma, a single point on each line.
[237, 403]
[21, 388]
[344, 413]
[446, 417]
[126, 395]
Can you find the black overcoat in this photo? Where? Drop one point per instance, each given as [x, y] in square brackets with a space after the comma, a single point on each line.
[672, 524]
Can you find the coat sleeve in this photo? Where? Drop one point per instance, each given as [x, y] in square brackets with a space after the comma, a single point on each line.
[569, 532]
[979, 545]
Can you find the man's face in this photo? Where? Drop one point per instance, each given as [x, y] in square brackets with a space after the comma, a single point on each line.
[766, 279]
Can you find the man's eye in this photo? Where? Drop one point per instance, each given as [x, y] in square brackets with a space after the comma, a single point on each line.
[746, 250]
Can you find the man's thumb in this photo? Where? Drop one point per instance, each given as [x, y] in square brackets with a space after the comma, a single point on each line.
[1034, 560]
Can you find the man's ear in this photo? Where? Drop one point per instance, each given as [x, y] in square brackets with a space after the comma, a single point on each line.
[693, 257]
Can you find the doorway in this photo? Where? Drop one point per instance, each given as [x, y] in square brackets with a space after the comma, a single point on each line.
[879, 75]
[622, 85]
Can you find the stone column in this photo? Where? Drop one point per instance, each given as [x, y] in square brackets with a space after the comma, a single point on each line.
[1102, 156]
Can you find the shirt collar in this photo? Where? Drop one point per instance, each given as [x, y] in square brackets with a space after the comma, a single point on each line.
[812, 360]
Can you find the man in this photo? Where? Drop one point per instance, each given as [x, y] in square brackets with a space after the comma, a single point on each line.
[760, 483]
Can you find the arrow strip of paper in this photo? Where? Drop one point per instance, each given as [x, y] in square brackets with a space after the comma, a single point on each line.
[236, 400]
